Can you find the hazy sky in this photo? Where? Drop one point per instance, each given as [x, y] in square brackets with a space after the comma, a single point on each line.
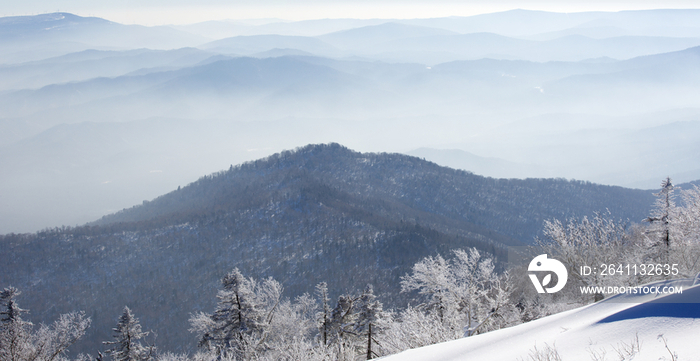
[158, 12]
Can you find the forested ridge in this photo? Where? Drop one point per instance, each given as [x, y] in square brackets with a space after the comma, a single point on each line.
[321, 213]
[391, 185]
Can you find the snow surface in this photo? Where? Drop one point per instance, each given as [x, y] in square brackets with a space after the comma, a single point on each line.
[598, 328]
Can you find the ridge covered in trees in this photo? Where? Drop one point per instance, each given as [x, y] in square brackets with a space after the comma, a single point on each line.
[459, 297]
[388, 185]
[321, 213]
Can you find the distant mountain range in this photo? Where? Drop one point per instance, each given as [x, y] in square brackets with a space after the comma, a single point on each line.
[119, 113]
[27, 38]
[318, 213]
[514, 23]
[527, 35]
[397, 42]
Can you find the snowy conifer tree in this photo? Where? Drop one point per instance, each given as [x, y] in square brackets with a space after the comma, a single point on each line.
[18, 341]
[684, 228]
[662, 220]
[342, 318]
[371, 319]
[238, 325]
[324, 316]
[14, 332]
[126, 346]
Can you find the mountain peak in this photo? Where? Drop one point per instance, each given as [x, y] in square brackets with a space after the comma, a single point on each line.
[394, 187]
[53, 19]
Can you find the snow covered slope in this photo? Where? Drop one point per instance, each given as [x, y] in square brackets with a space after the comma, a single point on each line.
[598, 330]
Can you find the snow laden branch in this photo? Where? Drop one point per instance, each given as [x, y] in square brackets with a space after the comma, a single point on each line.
[464, 293]
[670, 238]
[127, 345]
[591, 242]
[20, 342]
[673, 232]
[239, 325]
[663, 221]
[253, 322]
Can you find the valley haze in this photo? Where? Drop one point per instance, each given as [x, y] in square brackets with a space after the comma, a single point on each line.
[98, 116]
[141, 164]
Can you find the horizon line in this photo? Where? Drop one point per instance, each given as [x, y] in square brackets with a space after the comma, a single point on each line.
[262, 20]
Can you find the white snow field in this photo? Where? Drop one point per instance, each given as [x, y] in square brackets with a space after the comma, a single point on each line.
[594, 332]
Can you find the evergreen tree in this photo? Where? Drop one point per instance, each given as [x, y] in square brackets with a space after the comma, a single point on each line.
[340, 327]
[324, 316]
[18, 340]
[370, 319]
[14, 332]
[127, 334]
[673, 235]
[10, 311]
[238, 325]
[662, 218]
[342, 315]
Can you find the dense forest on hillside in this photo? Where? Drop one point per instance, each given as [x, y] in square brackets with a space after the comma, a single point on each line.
[393, 186]
[321, 213]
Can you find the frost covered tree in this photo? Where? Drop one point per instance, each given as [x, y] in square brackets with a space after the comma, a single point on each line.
[689, 215]
[19, 341]
[673, 234]
[323, 318]
[239, 325]
[433, 278]
[371, 320]
[355, 324]
[662, 220]
[51, 342]
[290, 334]
[127, 335]
[689, 230]
[14, 332]
[342, 319]
[465, 294]
[591, 242]
[415, 328]
[684, 230]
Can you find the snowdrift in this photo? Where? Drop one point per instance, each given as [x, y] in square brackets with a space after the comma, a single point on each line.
[601, 329]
